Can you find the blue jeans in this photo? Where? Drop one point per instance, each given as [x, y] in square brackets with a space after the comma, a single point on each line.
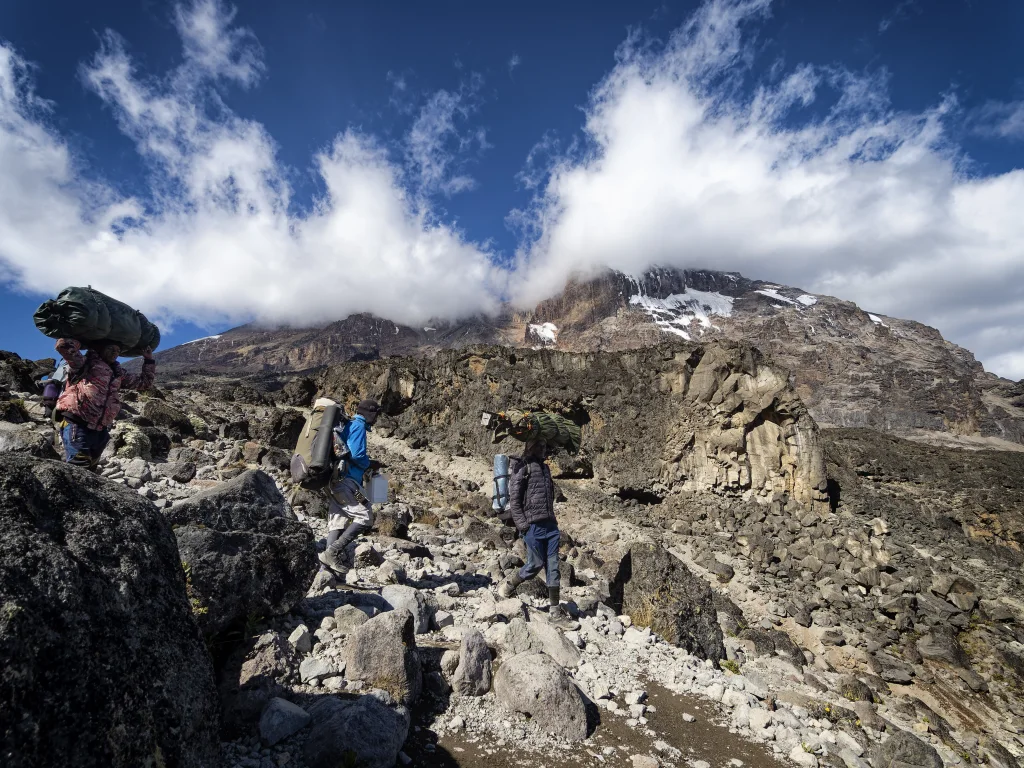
[83, 446]
[542, 551]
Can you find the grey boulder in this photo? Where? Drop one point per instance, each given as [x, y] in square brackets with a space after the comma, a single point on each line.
[473, 675]
[412, 600]
[281, 719]
[364, 732]
[532, 683]
[903, 750]
[382, 654]
[654, 585]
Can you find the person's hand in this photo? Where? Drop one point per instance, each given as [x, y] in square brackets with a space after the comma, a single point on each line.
[147, 353]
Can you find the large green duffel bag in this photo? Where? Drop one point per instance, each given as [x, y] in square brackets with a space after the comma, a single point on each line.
[554, 429]
[87, 315]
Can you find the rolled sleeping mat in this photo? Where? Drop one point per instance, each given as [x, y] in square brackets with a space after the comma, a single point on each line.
[320, 452]
[500, 499]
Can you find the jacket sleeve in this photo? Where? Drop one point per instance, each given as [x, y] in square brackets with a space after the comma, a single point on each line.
[516, 494]
[357, 444]
[142, 381]
[71, 351]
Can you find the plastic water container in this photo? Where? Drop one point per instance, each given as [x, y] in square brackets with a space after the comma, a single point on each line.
[377, 489]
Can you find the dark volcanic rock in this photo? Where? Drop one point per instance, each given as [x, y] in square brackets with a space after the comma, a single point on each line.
[103, 664]
[367, 730]
[657, 590]
[164, 415]
[903, 750]
[248, 556]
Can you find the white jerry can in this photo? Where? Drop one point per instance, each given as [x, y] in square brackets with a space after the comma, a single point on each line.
[376, 490]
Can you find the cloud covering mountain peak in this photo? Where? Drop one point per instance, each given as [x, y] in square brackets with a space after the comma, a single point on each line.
[693, 153]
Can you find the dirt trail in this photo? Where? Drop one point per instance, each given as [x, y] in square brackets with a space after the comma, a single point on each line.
[613, 744]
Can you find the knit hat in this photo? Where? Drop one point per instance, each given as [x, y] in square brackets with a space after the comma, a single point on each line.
[368, 409]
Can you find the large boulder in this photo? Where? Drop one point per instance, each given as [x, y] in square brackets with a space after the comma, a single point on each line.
[904, 750]
[473, 675]
[657, 590]
[382, 654]
[397, 596]
[103, 664]
[162, 414]
[252, 676]
[532, 683]
[364, 732]
[25, 440]
[280, 428]
[246, 553]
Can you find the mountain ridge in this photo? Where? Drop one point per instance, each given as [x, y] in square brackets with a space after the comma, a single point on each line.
[853, 368]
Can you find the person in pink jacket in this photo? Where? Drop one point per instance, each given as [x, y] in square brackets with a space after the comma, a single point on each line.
[91, 399]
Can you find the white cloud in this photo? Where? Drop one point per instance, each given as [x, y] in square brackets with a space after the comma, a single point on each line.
[436, 145]
[514, 62]
[1000, 119]
[218, 242]
[901, 10]
[682, 167]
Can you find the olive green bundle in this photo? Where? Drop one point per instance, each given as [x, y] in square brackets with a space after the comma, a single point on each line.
[88, 316]
[552, 428]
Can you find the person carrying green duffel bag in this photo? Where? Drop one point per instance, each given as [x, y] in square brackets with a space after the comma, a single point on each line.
[91, 398]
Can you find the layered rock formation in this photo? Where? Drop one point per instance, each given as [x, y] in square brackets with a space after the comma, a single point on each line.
[714, 417]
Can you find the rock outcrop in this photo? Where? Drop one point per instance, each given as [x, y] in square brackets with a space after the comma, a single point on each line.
[658, 591]
[103, 664]
[247, 555]
[714, 417]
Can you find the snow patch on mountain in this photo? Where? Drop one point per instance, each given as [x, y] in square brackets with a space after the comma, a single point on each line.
[677, 312]
[771, 293]
[546, 332]
[205, 338]
[807, 300]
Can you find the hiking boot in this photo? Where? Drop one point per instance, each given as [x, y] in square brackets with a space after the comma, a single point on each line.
[334, 558]
[558, 617]
[508, 587]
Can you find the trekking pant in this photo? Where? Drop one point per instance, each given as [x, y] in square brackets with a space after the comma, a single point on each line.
[83, 446]
[348, 504]
[541, 541]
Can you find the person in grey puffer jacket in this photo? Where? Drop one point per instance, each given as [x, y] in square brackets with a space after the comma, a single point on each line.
[532, 504]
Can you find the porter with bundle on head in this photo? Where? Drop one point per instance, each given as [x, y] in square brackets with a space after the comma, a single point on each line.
[90, 401]
[524, 495]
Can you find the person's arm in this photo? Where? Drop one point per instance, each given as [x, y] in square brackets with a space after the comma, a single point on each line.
[143, 381]
[357, 444]
[71, 351]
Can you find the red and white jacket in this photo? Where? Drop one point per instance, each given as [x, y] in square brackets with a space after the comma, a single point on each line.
[93, 398]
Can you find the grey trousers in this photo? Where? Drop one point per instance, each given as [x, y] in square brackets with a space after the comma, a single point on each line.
[348, 504]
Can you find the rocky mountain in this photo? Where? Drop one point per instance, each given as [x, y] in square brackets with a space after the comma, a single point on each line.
[851, 368]
[747, 585]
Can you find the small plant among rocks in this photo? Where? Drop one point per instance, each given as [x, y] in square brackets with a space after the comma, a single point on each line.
[198, 609]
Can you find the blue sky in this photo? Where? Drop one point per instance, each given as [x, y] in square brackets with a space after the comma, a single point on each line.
[214, 165]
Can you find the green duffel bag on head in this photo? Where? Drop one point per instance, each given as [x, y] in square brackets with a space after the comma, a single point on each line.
[87, 315]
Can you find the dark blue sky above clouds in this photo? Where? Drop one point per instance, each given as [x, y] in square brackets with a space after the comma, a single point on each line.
[208, 163]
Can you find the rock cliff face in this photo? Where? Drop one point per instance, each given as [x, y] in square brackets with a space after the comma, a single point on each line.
[851, 368]
[714, 417]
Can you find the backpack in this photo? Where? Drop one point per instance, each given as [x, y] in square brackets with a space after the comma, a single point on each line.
[319, 449]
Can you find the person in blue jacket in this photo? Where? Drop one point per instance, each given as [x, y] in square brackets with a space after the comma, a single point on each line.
[350, 513]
